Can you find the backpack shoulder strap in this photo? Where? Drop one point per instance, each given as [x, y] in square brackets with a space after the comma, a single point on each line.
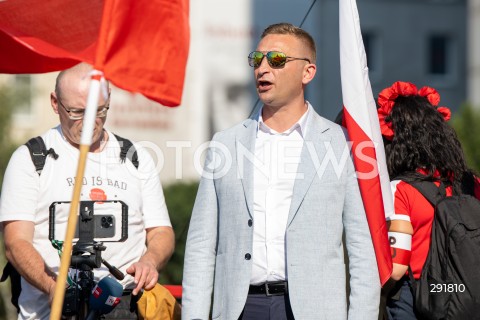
[15, 283]
[430, 190]
[38, 153]
[127, 150]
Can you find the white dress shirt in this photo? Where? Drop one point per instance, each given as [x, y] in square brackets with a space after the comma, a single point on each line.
[277, 156]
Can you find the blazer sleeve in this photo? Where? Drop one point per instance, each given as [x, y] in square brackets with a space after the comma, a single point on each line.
[200, 251]
[364, 278]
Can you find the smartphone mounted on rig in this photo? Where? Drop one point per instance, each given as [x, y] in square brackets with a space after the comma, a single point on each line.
[91, 231]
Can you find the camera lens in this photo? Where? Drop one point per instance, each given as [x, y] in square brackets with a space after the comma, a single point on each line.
[106, 222]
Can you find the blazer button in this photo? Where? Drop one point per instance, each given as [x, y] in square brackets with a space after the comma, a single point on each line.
[250, 222]
[248, 256]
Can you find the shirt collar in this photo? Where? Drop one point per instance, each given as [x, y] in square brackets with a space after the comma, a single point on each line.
[300, 125]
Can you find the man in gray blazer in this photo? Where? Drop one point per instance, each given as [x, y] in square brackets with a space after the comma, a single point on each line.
[277, 193]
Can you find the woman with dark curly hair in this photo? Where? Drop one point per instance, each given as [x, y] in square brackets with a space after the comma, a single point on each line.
[419, 145]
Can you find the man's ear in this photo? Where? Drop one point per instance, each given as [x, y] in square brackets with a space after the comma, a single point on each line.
[54, 102]
[309, 73]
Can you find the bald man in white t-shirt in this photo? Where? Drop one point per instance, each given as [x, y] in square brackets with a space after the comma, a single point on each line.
[27, 195]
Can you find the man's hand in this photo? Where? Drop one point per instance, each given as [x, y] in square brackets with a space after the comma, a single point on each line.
[145, 274]
[160, 244]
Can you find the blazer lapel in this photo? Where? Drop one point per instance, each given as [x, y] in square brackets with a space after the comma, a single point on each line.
[312, 154]
[245, 152]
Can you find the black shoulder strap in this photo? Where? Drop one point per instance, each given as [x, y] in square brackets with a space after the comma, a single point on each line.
[430, 190]
[15, 283]
[127, 150]
[39, 153]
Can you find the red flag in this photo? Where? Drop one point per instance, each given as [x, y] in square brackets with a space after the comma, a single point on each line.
[141, 46]
[360, 117]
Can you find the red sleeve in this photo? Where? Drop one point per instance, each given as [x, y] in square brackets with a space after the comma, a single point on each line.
[477, 188]
[401, 192]
[400, 243]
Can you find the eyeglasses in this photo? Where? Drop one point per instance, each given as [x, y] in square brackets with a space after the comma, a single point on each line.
[276, 59]
[77, 114]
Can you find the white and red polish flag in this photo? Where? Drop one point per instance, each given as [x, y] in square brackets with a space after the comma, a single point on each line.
[360, 118]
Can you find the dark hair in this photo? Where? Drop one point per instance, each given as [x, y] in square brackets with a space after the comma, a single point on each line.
[423, 140]
[290, 29]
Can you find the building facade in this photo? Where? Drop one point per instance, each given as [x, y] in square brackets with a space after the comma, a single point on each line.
[421, 41]
[473, 48]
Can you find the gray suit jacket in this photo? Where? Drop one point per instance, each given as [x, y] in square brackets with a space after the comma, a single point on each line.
[326, 203]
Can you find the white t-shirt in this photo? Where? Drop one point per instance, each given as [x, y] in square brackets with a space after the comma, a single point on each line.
[28, 196]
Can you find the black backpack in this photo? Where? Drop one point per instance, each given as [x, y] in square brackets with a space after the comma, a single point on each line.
[449, 286]
[39, 153]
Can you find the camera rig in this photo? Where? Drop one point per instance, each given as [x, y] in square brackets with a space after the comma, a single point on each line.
[87, 252]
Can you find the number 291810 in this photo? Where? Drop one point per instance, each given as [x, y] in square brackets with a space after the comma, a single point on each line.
[444, 287]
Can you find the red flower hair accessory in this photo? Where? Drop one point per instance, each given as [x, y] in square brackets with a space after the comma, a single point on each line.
[434, 98]
[387, 97]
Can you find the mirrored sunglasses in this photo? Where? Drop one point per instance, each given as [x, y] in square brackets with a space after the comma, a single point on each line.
[276, 59]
